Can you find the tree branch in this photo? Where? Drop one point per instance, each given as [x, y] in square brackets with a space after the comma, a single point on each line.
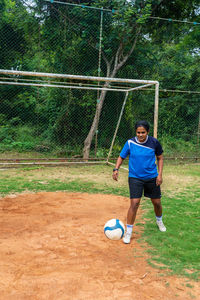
[117, 55]
[122, 62]
[108, 64]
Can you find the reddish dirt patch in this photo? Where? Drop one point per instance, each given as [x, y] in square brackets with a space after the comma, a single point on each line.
[52, 246]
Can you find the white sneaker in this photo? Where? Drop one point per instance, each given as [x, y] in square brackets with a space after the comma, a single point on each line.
[161, 226]
[127, 238]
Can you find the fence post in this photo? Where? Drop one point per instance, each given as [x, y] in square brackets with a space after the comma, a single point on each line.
[155, 134]
[198, 131]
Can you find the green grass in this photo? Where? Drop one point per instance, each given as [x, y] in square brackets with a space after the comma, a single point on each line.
[176, 251]
[38, 179]
[18, 185]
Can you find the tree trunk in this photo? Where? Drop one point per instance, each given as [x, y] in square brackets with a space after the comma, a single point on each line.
[95, 123]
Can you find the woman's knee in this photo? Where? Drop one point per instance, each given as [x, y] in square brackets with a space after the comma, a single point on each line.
[135, 203]
[156, 202]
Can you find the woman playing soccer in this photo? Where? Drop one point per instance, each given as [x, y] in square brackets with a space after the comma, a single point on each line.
[144, 174]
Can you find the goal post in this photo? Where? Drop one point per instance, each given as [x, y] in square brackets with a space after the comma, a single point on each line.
[93, 83]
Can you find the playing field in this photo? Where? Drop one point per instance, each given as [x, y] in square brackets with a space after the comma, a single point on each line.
[52, 246]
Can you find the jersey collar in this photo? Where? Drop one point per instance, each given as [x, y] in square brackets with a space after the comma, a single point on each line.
[141, 142]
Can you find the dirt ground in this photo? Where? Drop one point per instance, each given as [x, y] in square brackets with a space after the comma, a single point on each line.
[52, 246]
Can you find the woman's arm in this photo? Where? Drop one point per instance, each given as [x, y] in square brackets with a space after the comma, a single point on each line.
[160, 160]
[117, 166]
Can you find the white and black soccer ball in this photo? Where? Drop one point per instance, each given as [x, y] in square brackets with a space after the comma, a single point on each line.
[114, 229]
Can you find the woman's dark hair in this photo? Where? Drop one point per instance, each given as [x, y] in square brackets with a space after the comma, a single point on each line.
[142, 123]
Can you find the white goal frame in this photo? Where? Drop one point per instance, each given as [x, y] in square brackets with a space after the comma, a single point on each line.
[93, 83]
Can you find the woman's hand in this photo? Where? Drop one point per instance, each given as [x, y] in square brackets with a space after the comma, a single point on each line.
[160, 169]
[115, 175]
[159, 180]
[116, 168]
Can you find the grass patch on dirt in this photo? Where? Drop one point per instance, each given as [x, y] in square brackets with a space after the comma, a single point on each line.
[177, 250]
[18, 185]
[94, 179]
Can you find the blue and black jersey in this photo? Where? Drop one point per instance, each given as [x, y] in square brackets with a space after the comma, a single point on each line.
[142, 157]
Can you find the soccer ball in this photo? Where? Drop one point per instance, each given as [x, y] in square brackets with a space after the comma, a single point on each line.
[114, 229]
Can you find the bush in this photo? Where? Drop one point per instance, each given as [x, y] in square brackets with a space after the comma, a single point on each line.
[7, 134]
[18, 138]
[178, 147]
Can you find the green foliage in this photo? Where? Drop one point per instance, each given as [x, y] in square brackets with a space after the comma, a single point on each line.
[102, 152]
[12, 41]
[17, 138]
[3, 119]
[6, 134]
[178, 146]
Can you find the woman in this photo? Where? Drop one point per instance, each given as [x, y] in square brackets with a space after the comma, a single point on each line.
[143, 174]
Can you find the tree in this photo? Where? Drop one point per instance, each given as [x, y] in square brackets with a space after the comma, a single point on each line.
[12, 43]
[126, 27]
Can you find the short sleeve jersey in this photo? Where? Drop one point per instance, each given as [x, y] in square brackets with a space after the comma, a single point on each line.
[142, 157]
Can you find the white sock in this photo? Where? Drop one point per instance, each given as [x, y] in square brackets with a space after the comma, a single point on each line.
[159, 218]
[129, 228]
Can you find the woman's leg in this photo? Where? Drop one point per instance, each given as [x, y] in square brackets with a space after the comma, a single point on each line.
[132, 211]
[157, 207]
[131, 215]
[158, 212]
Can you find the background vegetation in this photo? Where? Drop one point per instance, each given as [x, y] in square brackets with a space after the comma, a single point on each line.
[51, 37]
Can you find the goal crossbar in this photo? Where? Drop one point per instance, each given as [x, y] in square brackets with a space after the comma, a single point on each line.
[74, 86]
[76, 77]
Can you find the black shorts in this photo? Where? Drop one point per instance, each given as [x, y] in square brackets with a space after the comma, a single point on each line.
[137, 186]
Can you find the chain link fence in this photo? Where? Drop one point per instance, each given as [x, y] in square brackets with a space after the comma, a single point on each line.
[52, 37]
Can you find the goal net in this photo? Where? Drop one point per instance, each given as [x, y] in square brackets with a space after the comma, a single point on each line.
[62, 118]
